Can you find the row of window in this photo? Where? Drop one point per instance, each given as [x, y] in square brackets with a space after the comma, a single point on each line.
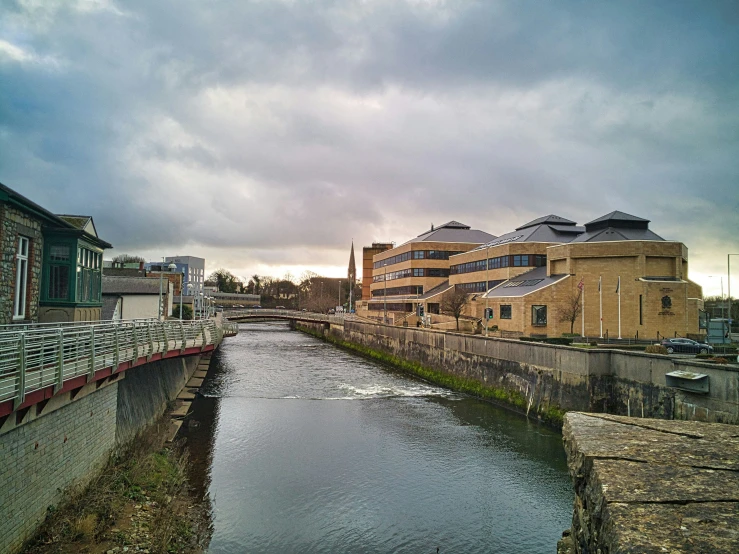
[415, 255]
[479, 286]
[538, 314]
[397, 291]
[415, 272]
[513, 260]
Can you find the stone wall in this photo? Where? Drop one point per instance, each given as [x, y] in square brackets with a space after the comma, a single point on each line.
[41, 459]
[554, 379]
[649, 485]
[13, 223]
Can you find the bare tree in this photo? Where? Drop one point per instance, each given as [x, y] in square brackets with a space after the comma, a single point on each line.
[571, 309]
[454, 302]
[128, 259]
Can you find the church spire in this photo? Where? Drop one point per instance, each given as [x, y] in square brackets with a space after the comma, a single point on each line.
[352, 273]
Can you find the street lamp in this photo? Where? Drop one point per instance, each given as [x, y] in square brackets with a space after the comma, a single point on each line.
[728, 284]
[182, 289]
[487, 284]
[161, 270]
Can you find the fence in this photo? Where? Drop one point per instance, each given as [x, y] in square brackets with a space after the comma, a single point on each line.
[288, 314]
[36, 357]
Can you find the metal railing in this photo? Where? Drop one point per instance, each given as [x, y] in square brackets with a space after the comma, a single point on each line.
[289, 314]
[35, 357]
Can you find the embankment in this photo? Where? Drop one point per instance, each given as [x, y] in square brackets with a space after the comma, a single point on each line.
[67, 440]
[543, 380]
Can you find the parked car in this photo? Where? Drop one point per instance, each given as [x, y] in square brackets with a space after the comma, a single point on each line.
[256, 307]
[686, 346]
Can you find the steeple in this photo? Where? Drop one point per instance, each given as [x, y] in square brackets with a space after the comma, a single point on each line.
[352, 273]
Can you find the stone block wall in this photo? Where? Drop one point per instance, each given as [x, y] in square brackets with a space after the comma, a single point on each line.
[13, 223]
[41, 459]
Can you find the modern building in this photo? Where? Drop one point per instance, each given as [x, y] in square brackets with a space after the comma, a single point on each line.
[51, 266]
[368, 254]
[415, 272]
[614, 277]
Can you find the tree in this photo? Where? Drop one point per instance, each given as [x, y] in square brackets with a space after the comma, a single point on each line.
[571, 309]
[225, 280]
[454, 302]
[128, 259]
[186, 312]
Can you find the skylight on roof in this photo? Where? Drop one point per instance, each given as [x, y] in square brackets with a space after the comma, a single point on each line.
[526, 283]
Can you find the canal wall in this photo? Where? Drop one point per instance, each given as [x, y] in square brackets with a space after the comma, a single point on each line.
[649, 485]
[64, 442]
[546, 380]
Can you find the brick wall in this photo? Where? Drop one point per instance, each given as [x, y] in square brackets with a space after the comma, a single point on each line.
[40, 459]
[12, 224]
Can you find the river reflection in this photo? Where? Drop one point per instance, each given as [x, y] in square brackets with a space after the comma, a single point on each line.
[302, 447]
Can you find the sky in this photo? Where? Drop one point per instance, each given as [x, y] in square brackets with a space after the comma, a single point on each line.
[267, 135]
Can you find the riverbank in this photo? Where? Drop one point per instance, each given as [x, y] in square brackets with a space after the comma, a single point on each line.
[141, 502]
[509, 399]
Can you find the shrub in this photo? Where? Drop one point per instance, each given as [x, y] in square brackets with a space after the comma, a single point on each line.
[655, 349]
[593, 343]
[720, 361]
[564, 341]
[572, 335]
[704, 356]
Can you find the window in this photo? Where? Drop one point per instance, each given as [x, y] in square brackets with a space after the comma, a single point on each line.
[505, 311]
[21, 278]
[538, 315]
[521, 261]
[58, 287]
[418, 272]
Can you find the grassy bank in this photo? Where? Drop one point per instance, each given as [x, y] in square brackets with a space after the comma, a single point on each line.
[140, 502]
[513, 399]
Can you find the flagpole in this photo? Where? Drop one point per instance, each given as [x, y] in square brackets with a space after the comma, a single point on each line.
[582, 315]
[600, 297]
[619, 306]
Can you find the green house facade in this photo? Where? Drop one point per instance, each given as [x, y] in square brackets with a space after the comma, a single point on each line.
[71, 284]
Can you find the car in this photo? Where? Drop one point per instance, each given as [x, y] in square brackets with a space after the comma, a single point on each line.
[331, 311]
[686, 346]
[256, 307]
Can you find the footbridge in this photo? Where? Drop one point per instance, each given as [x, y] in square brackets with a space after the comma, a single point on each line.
[40, 361]
[288, 315]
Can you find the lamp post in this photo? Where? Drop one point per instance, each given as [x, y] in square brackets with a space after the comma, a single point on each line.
[487, 285]
[728, 284]
[339, 304]
[172, 268]
[384, 295]
[723, 301]
[161, 270]
[182, 290]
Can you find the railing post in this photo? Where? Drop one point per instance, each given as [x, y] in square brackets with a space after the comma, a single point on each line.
[116, 348]
[166, 338]
[135, 342]
[151, 341]
[60, 362]
[184, 339]
[92, 354]
[202, 330]
[21, 397]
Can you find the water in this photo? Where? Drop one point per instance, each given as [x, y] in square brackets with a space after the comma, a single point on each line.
[305, 448]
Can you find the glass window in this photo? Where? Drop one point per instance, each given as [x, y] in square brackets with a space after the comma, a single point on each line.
[538, 315]
[506, 311]
[58, 253]
[21, 278]
[58, 282]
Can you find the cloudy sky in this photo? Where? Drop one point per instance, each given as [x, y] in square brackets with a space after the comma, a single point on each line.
[265, 135]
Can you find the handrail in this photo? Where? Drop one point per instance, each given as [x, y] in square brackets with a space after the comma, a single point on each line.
[33, 357]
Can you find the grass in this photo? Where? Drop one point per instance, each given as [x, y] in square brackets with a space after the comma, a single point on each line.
[552, 416]
[146, 480]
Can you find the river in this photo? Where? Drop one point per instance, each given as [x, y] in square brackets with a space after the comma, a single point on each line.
[302, 447]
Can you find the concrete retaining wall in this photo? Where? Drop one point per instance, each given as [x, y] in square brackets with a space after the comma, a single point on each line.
[557, 377]
[50, 447]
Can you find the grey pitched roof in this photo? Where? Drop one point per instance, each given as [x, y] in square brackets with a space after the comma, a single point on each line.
[617, 226]
[453, 231]
[550, 228]
[109, 304]
[613, 233]
[551, 219]
[130, 285]
[524, 284]
[617, 216]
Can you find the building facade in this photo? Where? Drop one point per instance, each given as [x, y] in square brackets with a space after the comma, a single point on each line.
[51, 266]
[413, 273]
[368, 254]
[612, 278]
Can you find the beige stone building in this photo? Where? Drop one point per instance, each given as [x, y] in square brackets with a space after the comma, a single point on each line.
[614, 277]
[417, 271]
